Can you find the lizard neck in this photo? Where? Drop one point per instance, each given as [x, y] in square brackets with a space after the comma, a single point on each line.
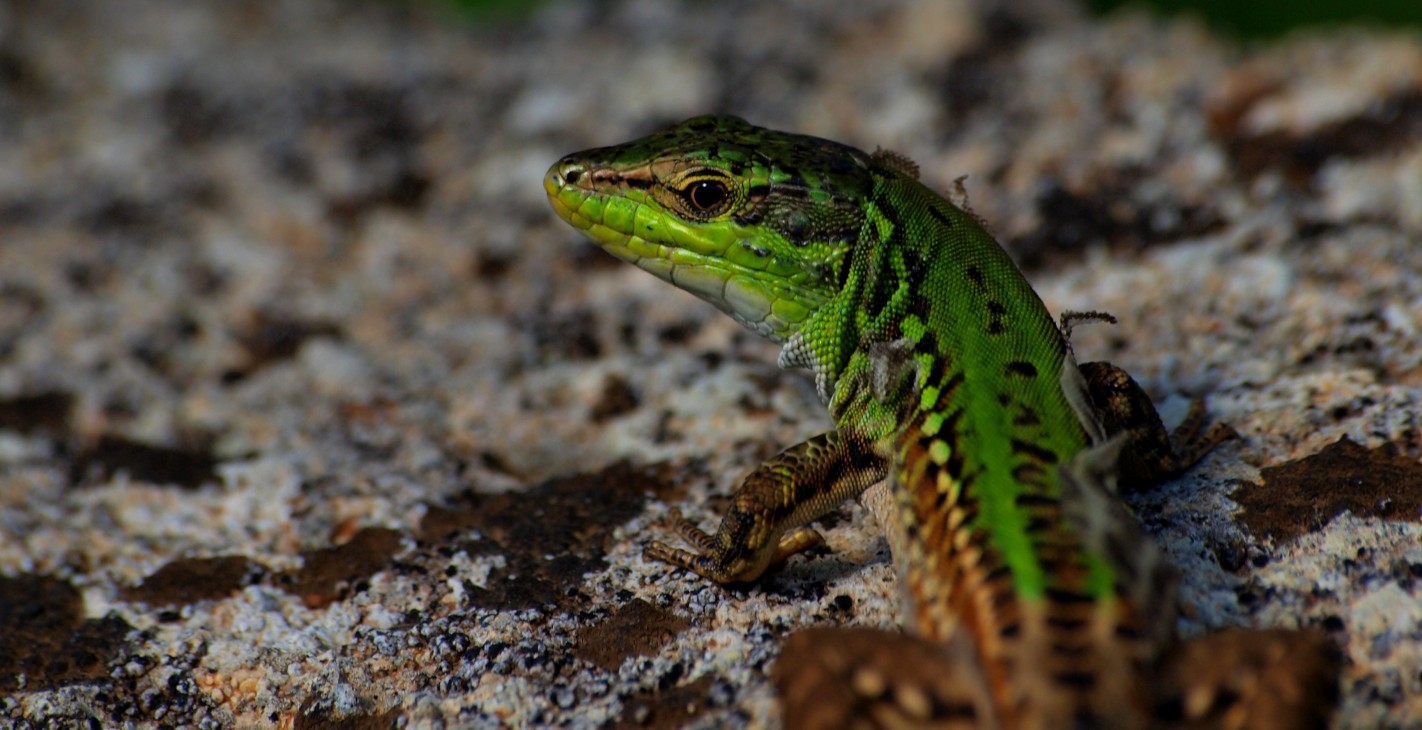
[927, 294]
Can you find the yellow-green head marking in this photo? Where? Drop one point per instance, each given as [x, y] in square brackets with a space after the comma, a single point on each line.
[757, 223]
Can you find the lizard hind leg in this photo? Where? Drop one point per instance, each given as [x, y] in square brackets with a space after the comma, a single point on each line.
[1274, 679]
[841, 678]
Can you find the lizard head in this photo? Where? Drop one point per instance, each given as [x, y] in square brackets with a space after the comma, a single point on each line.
[755, 221]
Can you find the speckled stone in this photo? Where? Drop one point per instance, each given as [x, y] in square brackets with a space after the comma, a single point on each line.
[280, 298]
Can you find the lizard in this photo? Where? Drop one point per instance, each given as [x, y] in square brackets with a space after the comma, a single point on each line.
[1031, 595]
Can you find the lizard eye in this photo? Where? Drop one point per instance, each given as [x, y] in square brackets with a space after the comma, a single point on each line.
[707, 196]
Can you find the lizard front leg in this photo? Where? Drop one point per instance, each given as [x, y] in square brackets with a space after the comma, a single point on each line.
[1151, 454]
[766, 522]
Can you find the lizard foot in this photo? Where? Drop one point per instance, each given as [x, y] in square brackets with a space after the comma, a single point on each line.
[1189, 443]
[726, 560]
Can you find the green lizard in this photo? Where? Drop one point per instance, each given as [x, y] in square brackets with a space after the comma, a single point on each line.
[1033, 596]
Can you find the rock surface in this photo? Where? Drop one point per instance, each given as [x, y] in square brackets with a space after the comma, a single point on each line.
[310, 411]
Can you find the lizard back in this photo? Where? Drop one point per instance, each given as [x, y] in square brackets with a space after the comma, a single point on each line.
[985, 422]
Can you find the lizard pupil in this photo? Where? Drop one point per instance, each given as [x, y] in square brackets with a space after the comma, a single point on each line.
[707, 195]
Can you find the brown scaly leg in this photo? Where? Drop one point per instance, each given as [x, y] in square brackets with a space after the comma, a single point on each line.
[765, 524]
[795, 541]
[1243, 679]
[1151, 454]
[841, 678]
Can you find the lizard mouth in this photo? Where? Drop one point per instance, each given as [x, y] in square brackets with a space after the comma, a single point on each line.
[586, 208]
